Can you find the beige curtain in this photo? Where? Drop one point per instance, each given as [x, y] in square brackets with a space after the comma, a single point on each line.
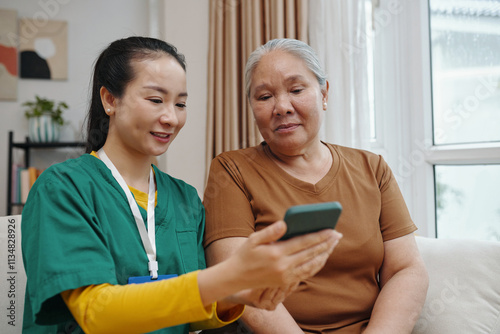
[237, 27]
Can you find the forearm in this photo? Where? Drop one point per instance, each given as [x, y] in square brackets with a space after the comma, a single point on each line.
[270, 322]
[138, 308]
[400, 302]
[218, 282]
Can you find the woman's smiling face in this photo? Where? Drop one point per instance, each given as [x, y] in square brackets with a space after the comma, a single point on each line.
[153, 108]
[287, 102]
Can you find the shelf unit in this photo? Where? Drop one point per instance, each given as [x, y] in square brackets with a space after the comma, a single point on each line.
[27, 146]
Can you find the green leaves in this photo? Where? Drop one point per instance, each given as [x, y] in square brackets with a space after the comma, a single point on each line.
[43, 106]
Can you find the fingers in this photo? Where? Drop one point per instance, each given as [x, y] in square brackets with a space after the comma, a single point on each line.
[264, 298]
[269, 299]
[269, 234]
[300, 243]
[263, 263]
[309, 268]
[311, 260]
[324, 245]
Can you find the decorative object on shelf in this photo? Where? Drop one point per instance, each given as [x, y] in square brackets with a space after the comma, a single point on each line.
[45, 119]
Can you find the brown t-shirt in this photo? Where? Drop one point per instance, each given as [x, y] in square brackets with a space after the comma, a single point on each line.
[247, 191]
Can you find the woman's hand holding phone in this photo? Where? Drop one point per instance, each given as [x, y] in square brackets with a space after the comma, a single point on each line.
[264, 270]
[272, 270]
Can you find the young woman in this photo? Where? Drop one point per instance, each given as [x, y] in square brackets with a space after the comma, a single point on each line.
[113, 245]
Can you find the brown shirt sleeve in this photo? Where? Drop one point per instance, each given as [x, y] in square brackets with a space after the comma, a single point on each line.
[395, 220]
[226, 199]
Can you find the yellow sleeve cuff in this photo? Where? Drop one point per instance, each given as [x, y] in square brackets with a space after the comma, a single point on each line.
[215, 320]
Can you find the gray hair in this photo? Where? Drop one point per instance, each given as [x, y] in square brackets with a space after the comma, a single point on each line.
[294, 47]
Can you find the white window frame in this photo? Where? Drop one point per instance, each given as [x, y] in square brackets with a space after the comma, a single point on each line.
[403, 96]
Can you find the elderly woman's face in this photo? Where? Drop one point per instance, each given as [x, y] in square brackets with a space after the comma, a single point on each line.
[287, 102]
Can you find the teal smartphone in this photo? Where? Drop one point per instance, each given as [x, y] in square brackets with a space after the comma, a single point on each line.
[308, 218]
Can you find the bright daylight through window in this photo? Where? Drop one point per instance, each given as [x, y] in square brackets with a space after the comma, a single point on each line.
[369, 46]
[465, 61]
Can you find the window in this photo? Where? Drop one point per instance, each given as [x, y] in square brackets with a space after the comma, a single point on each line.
[467, 201]
[437, 79]
[465, 43]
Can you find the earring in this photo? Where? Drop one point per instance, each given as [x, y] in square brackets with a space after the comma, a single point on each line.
[108, 111]
[324, 105]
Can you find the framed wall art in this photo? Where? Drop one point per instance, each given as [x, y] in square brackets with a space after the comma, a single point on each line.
[8, 55]
[43, 49]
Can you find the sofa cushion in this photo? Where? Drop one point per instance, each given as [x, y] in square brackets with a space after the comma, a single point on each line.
[464, 286]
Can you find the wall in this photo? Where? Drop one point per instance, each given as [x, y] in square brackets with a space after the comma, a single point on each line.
[186, 26]
[92, 24]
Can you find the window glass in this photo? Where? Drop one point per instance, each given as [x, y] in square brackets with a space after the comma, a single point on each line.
[465, 49]
[467, 201]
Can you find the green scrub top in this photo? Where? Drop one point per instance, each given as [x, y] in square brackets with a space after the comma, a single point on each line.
[78, 229]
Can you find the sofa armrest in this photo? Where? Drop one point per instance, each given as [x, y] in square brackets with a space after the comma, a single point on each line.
[464, 286]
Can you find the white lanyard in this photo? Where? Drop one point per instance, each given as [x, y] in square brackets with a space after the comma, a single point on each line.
[147, 237]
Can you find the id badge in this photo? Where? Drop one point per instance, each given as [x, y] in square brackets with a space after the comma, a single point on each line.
[145, 279]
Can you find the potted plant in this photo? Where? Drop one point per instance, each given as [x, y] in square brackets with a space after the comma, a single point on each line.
[45, 119]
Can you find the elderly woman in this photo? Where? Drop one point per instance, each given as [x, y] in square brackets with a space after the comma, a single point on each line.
[375, 280]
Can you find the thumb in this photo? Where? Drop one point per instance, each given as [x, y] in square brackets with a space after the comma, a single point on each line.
[269, 234]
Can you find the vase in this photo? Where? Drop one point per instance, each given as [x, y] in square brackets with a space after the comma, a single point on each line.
[42, 129]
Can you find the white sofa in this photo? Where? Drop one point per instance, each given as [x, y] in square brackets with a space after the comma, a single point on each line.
[464, 287]
[463, 295]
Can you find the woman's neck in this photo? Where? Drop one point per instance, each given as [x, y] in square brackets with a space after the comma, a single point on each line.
[310, 165]
[134, 168]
